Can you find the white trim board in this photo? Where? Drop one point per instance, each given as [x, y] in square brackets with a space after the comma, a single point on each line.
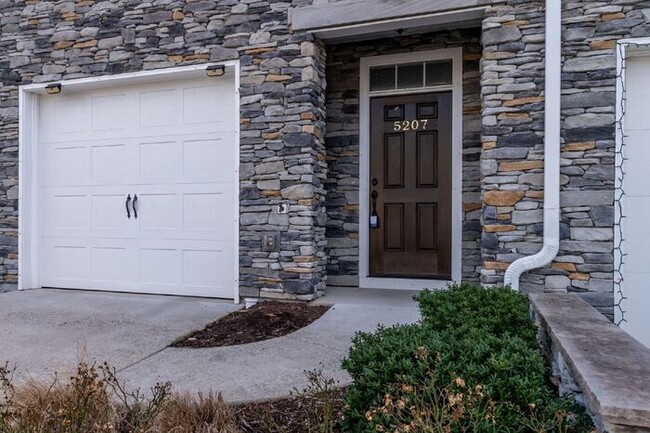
[456, 55]
[28, 152]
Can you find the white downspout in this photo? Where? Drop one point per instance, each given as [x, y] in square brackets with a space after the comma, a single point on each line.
[552, 103]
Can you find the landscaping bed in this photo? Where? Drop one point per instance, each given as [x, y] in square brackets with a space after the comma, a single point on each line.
[471, 365]
[261, 322]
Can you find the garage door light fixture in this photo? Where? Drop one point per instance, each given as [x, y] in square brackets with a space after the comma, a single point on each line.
[53, 89]
[215, 70]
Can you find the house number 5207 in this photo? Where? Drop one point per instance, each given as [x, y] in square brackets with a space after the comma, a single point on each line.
[410, 125]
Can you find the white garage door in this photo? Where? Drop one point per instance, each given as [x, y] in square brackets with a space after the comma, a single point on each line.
[636, 201]
[138, 188]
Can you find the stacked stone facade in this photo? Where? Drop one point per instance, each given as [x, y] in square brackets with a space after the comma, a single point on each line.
[288, 157]
[282, 110]
[512, 159]
[342, 142]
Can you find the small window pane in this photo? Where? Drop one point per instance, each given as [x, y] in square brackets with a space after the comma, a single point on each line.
[382, 78]
[439, 72]
[410, 76]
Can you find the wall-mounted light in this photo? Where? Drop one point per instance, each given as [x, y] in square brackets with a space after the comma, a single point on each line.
[53, 89]
[215, 70]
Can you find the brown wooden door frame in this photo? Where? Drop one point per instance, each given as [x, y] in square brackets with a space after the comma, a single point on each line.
[411, 175]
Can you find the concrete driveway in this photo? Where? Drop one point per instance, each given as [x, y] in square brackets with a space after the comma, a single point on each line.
[47, 331]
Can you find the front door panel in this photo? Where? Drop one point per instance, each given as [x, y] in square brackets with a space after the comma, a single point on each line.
[410, 185]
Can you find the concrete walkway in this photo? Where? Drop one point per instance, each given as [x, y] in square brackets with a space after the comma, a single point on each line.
[43, 331]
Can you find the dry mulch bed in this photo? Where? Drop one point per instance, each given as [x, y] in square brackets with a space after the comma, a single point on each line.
[261, 322]
[290, 415]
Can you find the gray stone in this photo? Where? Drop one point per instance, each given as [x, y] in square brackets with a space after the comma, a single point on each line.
[557, 282]
[298, 192]
[527, 217]
[500, 35]
[592, 234]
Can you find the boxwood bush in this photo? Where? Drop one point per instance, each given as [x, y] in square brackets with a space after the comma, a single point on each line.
[481, 338]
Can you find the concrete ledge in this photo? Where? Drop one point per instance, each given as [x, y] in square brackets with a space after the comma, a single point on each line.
[610, 368]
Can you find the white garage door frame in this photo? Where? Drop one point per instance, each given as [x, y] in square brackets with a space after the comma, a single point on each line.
[626, 49]
[29, 194]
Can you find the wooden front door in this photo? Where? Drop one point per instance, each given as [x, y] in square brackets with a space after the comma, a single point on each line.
[410, 186]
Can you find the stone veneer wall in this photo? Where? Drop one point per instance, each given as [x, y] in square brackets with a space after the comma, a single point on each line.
[512, 157]
[282, 109]
[342, 142]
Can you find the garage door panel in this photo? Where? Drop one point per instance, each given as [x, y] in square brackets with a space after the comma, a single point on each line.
[159, 266]
[637, 154]
[636, 210]
[109, 213]
[161, 159]
[159, 108]
[110, 162]
[67, 212]
[209, 158]
[70, 166]
[159, 211]
[637, 318]
[63, 261]
[638, 93]
[108, 113]
[204, 104]
[109, 265]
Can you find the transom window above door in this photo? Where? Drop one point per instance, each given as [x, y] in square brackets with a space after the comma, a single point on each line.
[411, 75]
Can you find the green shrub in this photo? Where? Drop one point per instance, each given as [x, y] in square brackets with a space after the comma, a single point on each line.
[481, 337]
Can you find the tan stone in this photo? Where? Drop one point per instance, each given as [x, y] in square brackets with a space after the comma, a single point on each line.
[489, 145]
[274, 77]
[579, 146]
[271, 193]
[267, 280]
[514, 116]
[87, 44]
[353, 235]
[521, 165]
[299, 270]
[611, 17]
[259, 50]
[309, 129]
[304, 259]
[469, 207]
[34, 21]
[70, 16]
[535, 194]
[178, 15]
[516, 23]
[499, 55]
[499, 228]
[504, 217]
[245, 121]
[602, 45]
[569, 267]
[63, 44]
[193, 57]
[307, 116]
[176, 59]
[523, 101]
[579, 276]
[271, 135]
[502, 198]
[496, 266]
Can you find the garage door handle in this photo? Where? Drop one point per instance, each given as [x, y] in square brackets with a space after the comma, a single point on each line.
[128, 212]
[135, 209]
